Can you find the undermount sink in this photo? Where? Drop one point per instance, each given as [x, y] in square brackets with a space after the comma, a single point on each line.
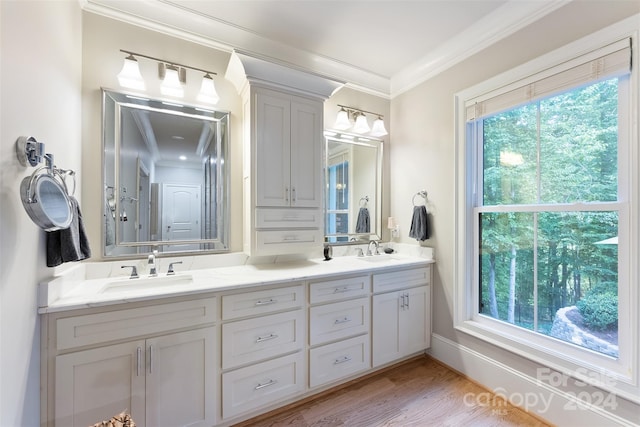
[129, 285]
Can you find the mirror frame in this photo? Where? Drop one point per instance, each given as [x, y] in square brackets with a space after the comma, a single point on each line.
[113, 142]
[360, 140]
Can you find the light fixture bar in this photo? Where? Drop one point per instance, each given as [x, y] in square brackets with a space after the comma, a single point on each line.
[358, 110]
[175, 64]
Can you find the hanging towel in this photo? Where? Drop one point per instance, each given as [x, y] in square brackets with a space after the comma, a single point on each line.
[70, 244]
[363, 222]
[420, 224]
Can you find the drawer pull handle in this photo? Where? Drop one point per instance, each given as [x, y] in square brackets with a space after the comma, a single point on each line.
[343, 320]
[138, 361]
[267, 384]
[267, 338]
[341, 290]
[290, 239]
[343, 359]
[266, 302]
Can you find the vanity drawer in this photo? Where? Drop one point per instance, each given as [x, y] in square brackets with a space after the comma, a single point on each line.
[262, 384]
[338, 360]
[334, 290]
[338, 320]
[288, 218]
[277, 242]
[261, 302]
[250, 340]
[115, 325]
[383, 282]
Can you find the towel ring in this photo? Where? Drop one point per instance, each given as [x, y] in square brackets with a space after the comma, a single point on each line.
[422, 194]
[366, 200]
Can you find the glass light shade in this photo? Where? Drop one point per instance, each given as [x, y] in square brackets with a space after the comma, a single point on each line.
[342, 120]
[208, 92]
[361, 125]
[171, 85]
[130, 75]
[378, 128]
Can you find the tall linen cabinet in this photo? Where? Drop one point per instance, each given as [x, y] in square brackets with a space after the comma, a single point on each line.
[283, 148]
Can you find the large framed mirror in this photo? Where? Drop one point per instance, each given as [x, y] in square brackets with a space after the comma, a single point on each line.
[165, 176]
[353, 182]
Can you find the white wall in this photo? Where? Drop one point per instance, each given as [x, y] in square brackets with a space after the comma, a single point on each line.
[422, 157]
[40, 78]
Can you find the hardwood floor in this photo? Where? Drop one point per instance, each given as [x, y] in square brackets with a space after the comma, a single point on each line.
[420, 392]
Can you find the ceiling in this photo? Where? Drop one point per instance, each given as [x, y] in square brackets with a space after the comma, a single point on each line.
[380, 46]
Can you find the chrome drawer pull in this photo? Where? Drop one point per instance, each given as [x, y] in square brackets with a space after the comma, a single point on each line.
[267, 338]
[341, 290]
[343, 359]
[138, 361]
[267, 384]
[266, 302]
[343, 320]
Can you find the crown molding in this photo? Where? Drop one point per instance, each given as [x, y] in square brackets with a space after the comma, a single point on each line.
[506, 20]
[174, 19]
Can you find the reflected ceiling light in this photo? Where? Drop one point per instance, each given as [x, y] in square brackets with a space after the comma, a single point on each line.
[171, 84]
[342, 121]
[130, 75]
[348, 115]
[208, 92]
[378, 128]
[361, 125]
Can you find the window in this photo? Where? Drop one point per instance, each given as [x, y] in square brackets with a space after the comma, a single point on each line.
[546, 202]
[338, 199]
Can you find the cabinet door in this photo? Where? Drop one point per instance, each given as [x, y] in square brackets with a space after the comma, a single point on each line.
[306, 154]
[386, 331]
[415, 320]
[181, 375]
[273, 142]
[95, 385]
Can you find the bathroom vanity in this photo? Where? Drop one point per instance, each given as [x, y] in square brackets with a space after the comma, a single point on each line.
[216, 346]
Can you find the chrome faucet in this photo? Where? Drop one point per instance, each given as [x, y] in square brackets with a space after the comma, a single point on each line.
[134, 271]
[151, 260]
[369, 253]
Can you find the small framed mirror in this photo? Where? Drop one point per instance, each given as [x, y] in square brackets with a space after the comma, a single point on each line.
[165, 176]
[353, 182]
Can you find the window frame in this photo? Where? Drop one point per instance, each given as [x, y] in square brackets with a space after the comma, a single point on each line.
[619, 376]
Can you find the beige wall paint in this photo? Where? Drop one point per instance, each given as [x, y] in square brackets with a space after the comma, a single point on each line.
[423, 149]
[102, 60]
[40, 74]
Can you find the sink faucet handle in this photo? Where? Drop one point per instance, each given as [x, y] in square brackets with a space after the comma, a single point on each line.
[360, 253]
[170, 270]
[134, 271]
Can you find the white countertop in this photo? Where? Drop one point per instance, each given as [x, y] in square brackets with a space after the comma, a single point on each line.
[67, 293]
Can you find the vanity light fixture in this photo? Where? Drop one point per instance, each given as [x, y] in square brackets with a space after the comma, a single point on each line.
[378, 128]
[130, 75]
[342, 121]
[173, 77]
[356, 120]
[208, 92]
[361, 125]
[171, 84]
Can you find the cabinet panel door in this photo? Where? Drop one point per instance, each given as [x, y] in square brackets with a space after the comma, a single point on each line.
[273, 143]
[95, 385]
[387, 335]
[306, 154]
[181, 379]
[414, 320]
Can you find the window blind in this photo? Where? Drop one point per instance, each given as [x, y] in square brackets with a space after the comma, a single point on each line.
[609, 61]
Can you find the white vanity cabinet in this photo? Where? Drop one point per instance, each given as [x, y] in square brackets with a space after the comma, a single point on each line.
[263, 335]
[401, 308]
[339, 326]
[102, 364]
